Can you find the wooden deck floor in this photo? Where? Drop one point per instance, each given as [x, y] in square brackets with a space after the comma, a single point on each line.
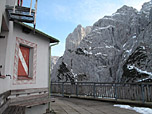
[79, 106]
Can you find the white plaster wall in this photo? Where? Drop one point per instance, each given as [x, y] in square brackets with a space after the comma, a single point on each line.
[10, 2]
[42, 57]
[4, 83]
[2, 9]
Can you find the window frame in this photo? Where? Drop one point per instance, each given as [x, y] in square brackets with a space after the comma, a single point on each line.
[31, 79]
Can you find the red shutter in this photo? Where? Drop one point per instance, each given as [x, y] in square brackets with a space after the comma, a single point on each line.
[23, 63]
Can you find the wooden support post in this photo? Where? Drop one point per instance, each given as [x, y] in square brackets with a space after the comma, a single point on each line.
[30, 8]
[62, 89]
[116, 95]
[35, 15]
[71, 87]
[51, 87]
[14, 6]
[143, 93]
[94, 90]
[77, 89]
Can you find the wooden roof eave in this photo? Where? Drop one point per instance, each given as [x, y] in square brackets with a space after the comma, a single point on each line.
[52, 39]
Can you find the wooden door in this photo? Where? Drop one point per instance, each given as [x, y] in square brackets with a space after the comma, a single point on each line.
[23, 63]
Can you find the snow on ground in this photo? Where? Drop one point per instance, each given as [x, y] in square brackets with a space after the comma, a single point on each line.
[141, 110]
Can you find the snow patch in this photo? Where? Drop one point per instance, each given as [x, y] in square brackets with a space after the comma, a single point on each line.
[105, 55]
[115, 14]
[134, 36]
[98, 47]
[74, 75]
[86, 52]
[129, 51]
[88, 41]
[130, 67]
[143, 47]
[144, 79]
[109, 18]
[102, 28]
[140, 110]
[109, 46]
[124, 45]
[98, 54]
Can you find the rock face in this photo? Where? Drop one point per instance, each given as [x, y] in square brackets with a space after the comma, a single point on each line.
[117, 49]
[73, 40]
[54, 60]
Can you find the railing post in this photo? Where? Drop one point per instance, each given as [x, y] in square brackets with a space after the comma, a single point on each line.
[77, 89]
[116, 92]
[51, 88]
[143, 93]
[94, 90]
[62, 89]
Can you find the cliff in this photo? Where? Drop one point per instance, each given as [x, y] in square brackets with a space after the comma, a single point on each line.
[116, 48]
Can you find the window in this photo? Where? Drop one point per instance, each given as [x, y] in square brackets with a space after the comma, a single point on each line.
[24, 62]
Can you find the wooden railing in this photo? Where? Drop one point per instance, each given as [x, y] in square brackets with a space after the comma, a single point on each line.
[125, 91]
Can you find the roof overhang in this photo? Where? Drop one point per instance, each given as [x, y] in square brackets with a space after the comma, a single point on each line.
[52, 39]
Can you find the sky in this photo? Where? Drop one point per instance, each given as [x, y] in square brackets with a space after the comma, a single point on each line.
[59, 18]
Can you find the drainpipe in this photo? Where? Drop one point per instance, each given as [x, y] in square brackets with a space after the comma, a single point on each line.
[49, 88]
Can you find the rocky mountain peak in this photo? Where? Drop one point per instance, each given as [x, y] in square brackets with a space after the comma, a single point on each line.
[74, 38]
[146, 7]
[145, 10]
[125, 9]
[125, 15]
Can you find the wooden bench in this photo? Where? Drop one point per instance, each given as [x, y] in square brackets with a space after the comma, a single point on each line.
[29, 97]
[16, 101]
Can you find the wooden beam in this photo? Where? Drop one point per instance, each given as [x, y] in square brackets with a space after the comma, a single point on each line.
[30, 8]
[2, 36]
[26, 91]
[30, 100]
[5, 94]
[28, 97]
[17, 14]
[4, 107]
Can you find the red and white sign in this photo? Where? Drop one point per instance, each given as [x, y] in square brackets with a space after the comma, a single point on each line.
[23, 63]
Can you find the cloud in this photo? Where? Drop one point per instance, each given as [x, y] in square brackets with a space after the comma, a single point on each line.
[92, 10]
[135, 3]
[83, 11]
[86, 12]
